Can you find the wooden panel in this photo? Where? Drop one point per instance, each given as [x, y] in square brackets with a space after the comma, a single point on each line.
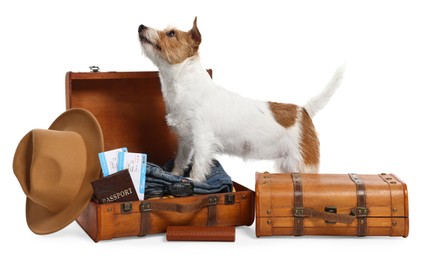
[129, 108]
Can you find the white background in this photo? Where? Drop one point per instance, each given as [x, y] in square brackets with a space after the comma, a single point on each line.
[282, 51]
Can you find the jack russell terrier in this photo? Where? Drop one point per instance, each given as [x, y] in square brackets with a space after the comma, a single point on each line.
[210, 120]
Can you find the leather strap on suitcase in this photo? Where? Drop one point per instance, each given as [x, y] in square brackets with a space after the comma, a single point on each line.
[361, 211]
[300, 212]
[147, 207]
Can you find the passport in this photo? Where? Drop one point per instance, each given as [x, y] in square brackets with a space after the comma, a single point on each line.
[117, 187]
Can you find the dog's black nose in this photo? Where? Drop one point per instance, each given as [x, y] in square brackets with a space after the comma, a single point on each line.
[142, 27]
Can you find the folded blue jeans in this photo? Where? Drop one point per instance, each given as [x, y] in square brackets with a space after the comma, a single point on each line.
[159, 180]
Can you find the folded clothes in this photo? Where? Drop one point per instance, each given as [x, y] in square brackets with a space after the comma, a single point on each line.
[160, 182]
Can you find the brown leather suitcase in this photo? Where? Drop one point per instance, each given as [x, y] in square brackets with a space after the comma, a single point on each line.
[331, 204]
[130, 109]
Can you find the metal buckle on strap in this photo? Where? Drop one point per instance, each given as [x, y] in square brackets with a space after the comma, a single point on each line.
[145, 206]
[212, 200]
[126, 207]
[299, 212]
[229, 199]
[361, 212]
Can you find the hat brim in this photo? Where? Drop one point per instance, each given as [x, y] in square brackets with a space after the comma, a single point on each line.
[42, 221]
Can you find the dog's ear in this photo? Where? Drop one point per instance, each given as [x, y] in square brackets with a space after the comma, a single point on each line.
[196, 35]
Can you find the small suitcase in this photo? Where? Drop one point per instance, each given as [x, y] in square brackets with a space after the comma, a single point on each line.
[331, 204]
[130, 109]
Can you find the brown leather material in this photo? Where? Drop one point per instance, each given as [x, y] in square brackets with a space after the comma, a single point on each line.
[197, 233]
[361, 210]
[145, 223]
[332, 205]
[326, 216]
[212, 210]
[298, 203]
[146, 207]
[158, 205]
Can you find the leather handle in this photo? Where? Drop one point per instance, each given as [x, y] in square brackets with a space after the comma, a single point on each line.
[327, 216]
[146, 207]
[359, 213]
[177, 207]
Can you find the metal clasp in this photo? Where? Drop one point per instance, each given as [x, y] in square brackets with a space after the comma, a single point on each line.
[360, 212]
[145, 206]
[330, 209]
[212, 200]
[94, 68]
[299, 212]
[126, 207]
[229, 199]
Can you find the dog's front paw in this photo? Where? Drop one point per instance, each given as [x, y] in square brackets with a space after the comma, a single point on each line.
[177, 171]
[198, 176]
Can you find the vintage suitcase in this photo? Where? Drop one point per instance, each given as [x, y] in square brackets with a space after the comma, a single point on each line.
[130, 109]
[331, 204]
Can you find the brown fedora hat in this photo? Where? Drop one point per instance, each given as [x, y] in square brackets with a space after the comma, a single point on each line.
[55, 168]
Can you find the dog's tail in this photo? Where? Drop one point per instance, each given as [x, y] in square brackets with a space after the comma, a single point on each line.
[318, 102]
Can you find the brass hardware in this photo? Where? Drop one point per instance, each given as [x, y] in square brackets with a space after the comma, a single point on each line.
[229, 199]
[269, 212]
[388, 178]
[243, 196]
[212, 200]
[361, 212]
[394, 210]
[393, 182]
[266, 177]
[330, 209]
[394, 223]
[383, 173]
[265, 182]
[126, 207]
[145, 206]
[110, 209]
[269, 222]
[94, 68]
[362, 221]
[299, 212]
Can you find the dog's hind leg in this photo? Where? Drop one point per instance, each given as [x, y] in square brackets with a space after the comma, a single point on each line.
[287, 164]
[310, 168]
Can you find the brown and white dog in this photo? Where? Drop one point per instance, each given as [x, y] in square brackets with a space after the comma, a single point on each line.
[210, 120]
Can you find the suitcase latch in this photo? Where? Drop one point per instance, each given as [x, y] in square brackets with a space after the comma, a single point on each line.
[330, 209]
[299, 212]
[126, 207]
[360, 212]
[94, 68]
[145, 206]
[229, 199]
[212, 200]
